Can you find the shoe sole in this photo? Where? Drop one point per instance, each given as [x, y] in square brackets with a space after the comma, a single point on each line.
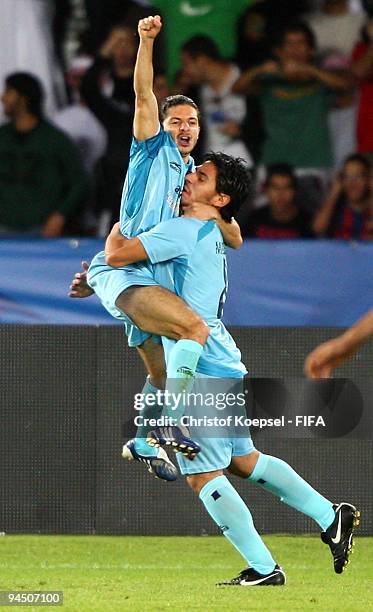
[189, 452]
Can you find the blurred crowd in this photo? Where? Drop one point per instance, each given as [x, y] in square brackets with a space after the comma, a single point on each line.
[288, 86]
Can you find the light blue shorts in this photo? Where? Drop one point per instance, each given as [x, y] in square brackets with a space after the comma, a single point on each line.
[218, 443]
[108, 283]
[216, 454]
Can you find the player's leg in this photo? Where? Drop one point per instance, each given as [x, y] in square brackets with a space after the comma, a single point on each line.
[156, 460]
[230, 513]
[152, 355]
[278, 477]
[159, 311]
[133, 297]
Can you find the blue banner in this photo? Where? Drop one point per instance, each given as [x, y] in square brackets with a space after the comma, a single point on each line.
[271, 283]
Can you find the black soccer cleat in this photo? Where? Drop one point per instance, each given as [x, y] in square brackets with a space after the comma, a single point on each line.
[339, 536]
[177, 437]
[249, 577]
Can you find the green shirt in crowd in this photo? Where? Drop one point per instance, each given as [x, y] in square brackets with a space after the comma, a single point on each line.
[40, 173]
[186, 18]
[295, 122]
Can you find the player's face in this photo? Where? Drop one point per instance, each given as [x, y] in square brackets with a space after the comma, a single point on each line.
[183, 125]
[355, 181]
[200, 186]
[11, 100]
[280, 192]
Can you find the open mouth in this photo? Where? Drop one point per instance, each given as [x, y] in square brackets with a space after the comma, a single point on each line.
[184, 141]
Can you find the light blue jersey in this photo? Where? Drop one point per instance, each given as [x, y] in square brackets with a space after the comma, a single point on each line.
[198, 274]
[153, 185]
[151, 194]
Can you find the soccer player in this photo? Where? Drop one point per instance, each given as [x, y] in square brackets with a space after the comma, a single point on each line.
[329, 355]
[198, 275]
[159, 161]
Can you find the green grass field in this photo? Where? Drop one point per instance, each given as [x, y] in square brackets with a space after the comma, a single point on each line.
[143, 574]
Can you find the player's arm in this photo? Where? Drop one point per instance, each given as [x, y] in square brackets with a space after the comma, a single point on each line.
[231, 232]
[327, 356]
[146, 119]
[167, 240]
[230, 229]
[121, 251]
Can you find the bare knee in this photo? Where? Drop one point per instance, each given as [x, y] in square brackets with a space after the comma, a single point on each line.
[194, 328]
[244, 466]
[198, 481]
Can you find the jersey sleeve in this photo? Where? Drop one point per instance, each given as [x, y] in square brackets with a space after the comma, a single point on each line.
[149, 147]
[171, 239]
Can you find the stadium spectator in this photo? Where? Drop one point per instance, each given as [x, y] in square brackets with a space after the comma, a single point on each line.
[27, 45]
[42, 179]
[222, 111]
[187, 18]
[103, 15]
[78, 121]
[258, 24]
[107, 88]
[337, 30]
[362, 68]
[281, 217]
[253, 48]
[346, 212]
[62, 15]
[253, 42]
[89, 136]
[295, 96]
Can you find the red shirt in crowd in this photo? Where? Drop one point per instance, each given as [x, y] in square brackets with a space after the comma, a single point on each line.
[365, 112]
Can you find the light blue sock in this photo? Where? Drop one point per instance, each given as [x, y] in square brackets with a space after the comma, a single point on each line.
[148, 412]
[233, 517]
[279, 478]
[181, 369]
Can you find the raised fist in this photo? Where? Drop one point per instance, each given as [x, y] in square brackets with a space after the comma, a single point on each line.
[149, 27]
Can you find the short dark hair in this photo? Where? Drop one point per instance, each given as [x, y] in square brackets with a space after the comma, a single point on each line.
[234, 178]
[28, 86]
[282, 169]
[295, 26]
[178, 100]
[359, 158]
[201, 45]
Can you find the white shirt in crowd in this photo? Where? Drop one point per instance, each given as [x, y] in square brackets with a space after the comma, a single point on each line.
[85, 130]
[218, 108]
[26, 45]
